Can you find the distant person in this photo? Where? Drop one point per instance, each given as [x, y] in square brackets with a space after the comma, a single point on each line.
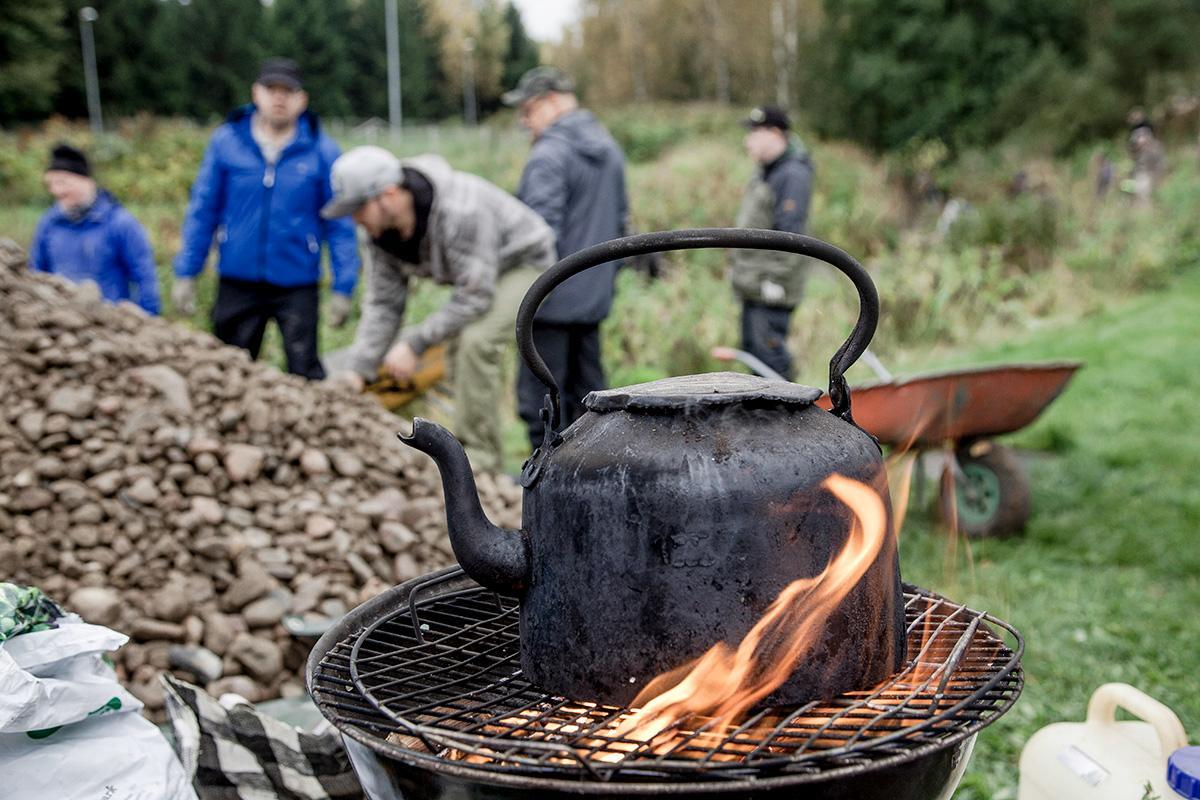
[770, 283]
[1103, 167]
[1148, 160]
[260, 189]
[88, 236]
[425, 219]
[575, 179]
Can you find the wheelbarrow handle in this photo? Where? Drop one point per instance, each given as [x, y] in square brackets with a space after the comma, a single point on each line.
[700, 238]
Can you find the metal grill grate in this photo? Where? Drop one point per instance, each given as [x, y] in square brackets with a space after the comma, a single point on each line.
[440, 679]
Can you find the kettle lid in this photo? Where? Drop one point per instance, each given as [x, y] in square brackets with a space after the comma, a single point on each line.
[709, 389]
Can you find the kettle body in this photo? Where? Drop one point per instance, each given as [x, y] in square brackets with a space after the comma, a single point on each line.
[672, 514]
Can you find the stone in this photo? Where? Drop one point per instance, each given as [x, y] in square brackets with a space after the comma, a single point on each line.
[168, 383]
[33, 498]
[253, 582]
[96, 604]
[144, 491]
[219, 631]
[200, 444]
[268, 610]
[203, 664]
[147, 630]
[261, 657]
[387, 504]
[76, 402]
[347, 464]
[107, 483]
[243, 463]
[396, 537]
[207, 510]
[308, 592]
[171, 602]
[313, 462]
[240, 685]
[32, 424]
[319, 525]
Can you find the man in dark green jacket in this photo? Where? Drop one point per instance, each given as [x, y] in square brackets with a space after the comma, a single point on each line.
[769, 283]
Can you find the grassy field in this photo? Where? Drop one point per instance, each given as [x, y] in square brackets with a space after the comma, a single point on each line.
[1105, 584]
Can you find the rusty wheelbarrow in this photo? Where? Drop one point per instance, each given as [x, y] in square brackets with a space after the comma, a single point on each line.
[960, 412]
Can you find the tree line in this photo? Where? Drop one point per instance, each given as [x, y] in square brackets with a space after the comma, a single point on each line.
[890, 74]
[196, 58]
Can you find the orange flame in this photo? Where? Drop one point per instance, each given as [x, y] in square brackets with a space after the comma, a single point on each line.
[724, 683]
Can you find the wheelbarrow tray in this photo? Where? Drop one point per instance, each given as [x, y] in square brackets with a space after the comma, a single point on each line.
[932, 409]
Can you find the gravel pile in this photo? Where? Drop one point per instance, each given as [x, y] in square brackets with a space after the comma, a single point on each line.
[158, 482]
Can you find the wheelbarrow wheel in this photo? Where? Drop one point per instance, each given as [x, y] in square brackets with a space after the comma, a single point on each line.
[990, 496]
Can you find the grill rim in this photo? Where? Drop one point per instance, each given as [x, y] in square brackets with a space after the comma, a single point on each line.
[1009, 680]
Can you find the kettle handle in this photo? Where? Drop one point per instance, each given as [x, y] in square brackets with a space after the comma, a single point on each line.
[700, 238]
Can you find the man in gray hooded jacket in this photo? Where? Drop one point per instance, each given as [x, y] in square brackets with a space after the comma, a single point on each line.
[575, 179]
[425, 219]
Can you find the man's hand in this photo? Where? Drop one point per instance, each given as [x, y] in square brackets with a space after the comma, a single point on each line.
[339, 309]
[183, 296]
[400, 362]
[348, 379]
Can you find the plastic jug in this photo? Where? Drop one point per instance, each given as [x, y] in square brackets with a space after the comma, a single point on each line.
[1102, 758]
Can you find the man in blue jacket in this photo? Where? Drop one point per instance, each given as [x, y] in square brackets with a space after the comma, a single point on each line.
[260, 189]
[88, 236]
[575, 179]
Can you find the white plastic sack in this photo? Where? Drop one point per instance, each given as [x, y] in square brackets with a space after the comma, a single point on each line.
[69, 731]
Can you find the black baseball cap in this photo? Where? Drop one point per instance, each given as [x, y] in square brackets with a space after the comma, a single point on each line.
[280, 72]
[64, 158]
[767, 117]
[538, 81]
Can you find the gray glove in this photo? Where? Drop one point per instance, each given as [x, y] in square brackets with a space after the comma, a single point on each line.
[339, 309]
[183, 296]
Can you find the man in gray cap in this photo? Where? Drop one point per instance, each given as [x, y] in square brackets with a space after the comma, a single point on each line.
[769, 283]
[575, 179]
[426, 219]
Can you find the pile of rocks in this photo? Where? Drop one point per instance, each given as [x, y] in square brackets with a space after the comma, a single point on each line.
[218, 511]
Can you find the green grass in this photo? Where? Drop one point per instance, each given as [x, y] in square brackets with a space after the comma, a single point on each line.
[1105, 584]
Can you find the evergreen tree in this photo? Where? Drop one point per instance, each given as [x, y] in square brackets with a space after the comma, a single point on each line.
[33, 47]
[522, 54]
[218, 47]
[313, 34]
[422, 94]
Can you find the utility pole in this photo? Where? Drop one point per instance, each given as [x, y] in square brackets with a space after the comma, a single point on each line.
[395, 115]
[88, 15]
[469, 81]
[779, 51]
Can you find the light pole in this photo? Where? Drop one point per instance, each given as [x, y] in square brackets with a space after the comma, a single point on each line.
[469, 81]
[395, 116]
[88, 15]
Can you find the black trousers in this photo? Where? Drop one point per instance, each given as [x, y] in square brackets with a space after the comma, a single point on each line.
[572, 352]
[244, 308]
[764, 334]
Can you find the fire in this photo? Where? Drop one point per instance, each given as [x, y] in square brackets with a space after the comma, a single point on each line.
[724, 683]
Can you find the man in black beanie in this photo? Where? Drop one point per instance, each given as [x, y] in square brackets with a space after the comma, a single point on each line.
[88, 236]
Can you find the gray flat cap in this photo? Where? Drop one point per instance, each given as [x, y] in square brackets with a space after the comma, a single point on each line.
[358, 175]
[538, 81]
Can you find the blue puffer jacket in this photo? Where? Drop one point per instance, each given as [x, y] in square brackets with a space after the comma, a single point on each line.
[267, 219]
[106, 245]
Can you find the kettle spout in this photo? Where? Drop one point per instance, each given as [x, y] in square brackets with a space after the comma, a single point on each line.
[495, 557]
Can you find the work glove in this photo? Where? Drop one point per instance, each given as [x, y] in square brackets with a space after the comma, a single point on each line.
[339, 309]
[183, 296]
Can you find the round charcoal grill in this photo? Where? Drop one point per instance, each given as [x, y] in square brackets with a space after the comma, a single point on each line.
[425, 683]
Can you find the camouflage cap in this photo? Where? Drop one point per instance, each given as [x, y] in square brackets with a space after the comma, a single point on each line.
[538, 81]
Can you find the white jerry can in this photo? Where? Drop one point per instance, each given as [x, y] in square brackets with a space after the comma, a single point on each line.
[1102, 758]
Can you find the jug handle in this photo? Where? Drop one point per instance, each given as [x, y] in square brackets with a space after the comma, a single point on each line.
[1102, 710]
[700, 238]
